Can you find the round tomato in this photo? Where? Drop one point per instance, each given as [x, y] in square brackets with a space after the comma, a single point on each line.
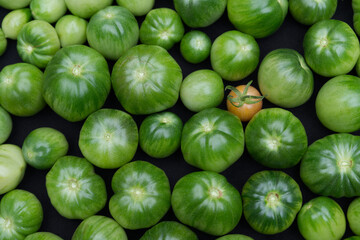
[86, 8]
[137, 7]
[356, 18]
[3, 42]
[43, 236]
[71, 30]
[14, 4]
[5, 125]
[235, 237]
[48, 10]
[353, 216]
[195, 46]
[14, 21]
[169, 230]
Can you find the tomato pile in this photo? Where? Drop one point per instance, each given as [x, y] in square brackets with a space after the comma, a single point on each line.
[212, 119]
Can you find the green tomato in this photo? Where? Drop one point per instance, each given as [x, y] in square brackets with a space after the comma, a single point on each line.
[271, 201]
[160, 134]
[141, 195]
[337, 104]
[37, 43]
[285, 79]
[112, 31]
[276, 138]
[86, 8]
[14, 21]
[235, 237]
[309, 12]
[353, 238]
[169, 230]
[259, 18]
[43, 236]
[3, 42]
[137, 7]
[71, 30]
[201, 13]
[14, 4]
[353, 216]
[212, 140]
[109, 138]
[146, 79]
[5, 125]
[321, 218]
[12, 168]
[208, 202]
[74, 189]
[202, 89]
[331, 48]
[43, 147]
[331, 166]
[195, 46]
[48, 10]
[21, 214]
[99, 227]
[162, 27]
[77, 82]
[234, 55]
[20, 89]
[356, 18]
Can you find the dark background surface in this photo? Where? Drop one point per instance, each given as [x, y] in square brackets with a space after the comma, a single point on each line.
[290, 35]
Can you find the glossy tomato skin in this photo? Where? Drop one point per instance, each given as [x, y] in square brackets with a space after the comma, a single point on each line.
[331, 48]
[337, 104]
[86, 8]
[208, 202]
[146, 79]
[201, 13]
[356, 18]
[37, 43]
[21, 214]
[160, 134]
[5, 125]
[285, 79]
[14, 21]
[99, 227]
[250, 16]
[43, 236]
[112, 31]
[169, 230]
[331, 165]
[195, 46]
[48, 10]
[77, 82]
[234, 55]
[12, 5]
[276, 138]
[212, 140]
[142, 195]
[353, 238]
[321, 218]
[271, 200]
[3, 42]
[162, 27]
[353, 216]
[235, 237]
[71, 30]
[20, 89]
[137, 7]
[74, 189]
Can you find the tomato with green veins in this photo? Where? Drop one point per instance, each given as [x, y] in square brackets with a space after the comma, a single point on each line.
[195, 46]
[356, 18]
[5, 125]
[353, 216]
[169, 230]
[14, 21]
[43, 236]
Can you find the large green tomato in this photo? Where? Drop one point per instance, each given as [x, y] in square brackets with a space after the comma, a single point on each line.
[74, 189]
[162, 27]
[109, 138]
[208, 202]
[285, 79]
[271, 201]
[21, 214]
[71, 30]
[20, 89]
[137, 7]
[12, 167]
[353, 216]
[353, 238]
[99, 227]
[201, 13]
[146, 79]
[43, 147]
[14, 21]
[48, 10]
[356, 18]
[112, 31]
[309, 12]
[235, 237]
[331, 48]
[86, 8]
[142, 195]
[331, 166]
[5, 125]
[77, 82]
[338, 104]
[202, 89]
[276, 138]
[259, 18]
[14, 4]
[234, 55]
[212, 140]
[195, 46]
[43, 236]
[160, 134]
[37, 43]
[169, 230]
[321, 218]
[3, 42]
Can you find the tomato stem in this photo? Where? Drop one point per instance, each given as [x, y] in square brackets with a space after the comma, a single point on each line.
[242, 98]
